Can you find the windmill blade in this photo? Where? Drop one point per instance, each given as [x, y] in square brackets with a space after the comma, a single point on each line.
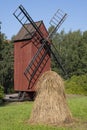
[58, 60]
[36, 65]
[23, 17]
[56, 21]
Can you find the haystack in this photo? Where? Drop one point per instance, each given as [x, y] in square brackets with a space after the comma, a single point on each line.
[50, 106]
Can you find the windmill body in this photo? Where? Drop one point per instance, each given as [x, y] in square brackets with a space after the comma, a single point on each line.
[33, 49]
[25, 47]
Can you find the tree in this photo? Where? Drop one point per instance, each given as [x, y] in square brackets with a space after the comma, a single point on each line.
[72, 48]
[6, 64]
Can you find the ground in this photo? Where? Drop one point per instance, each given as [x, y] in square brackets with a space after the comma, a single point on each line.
[15, 115]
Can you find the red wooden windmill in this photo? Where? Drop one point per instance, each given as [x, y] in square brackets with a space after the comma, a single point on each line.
[33, 50]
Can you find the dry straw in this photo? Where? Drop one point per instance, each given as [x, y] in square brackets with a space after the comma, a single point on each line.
[50, 106]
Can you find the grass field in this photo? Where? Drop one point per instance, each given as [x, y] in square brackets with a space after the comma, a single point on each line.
[14, 116]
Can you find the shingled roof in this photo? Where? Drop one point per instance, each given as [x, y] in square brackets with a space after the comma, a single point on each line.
[23, 34]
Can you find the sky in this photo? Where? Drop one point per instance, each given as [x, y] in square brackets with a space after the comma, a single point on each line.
[44, 10]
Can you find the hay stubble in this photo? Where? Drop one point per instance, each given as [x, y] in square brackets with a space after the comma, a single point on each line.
[50, 106]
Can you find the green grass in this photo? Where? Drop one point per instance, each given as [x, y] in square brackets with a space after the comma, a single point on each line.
[78, 106]
[14, 116]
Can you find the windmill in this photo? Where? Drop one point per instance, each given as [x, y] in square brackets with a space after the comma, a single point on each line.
[35, 65]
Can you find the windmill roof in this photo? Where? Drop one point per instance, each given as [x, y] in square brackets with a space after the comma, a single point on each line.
[24, 34]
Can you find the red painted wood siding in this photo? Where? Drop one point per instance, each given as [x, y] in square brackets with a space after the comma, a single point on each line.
[23, 53]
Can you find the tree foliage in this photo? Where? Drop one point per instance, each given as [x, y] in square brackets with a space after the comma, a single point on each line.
[6, 63]
[1, 92]
[72, 47]
[77, 84]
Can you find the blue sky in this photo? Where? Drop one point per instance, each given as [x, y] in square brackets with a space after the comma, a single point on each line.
[44, 10]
